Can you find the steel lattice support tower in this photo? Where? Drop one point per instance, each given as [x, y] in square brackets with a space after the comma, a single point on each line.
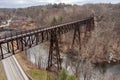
[76, 37]
[54, 54]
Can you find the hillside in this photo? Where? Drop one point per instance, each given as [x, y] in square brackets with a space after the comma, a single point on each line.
[104, 44]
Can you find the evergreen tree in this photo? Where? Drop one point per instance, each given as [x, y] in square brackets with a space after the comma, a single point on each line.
[64, 76]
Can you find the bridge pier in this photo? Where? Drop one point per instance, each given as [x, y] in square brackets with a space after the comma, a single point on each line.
[76, 37]
[54, 53]
[8, 47]
[1, 52]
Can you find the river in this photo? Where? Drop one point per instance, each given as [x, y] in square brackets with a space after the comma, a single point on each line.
[84, 70]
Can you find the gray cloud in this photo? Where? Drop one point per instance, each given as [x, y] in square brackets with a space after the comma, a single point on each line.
[19, 3]
[26, 3]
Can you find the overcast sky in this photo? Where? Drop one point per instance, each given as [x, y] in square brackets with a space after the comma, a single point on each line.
[26, 3]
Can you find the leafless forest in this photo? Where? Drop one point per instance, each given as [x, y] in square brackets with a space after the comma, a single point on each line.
[103, 47]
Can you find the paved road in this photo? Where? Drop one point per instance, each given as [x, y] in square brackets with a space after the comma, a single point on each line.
[13, 70]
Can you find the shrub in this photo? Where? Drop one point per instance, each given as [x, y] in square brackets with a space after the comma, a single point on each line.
[64, 76]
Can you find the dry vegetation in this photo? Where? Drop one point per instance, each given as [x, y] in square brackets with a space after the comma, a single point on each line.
[103, 46]
[105, 42]
[32, 70]
[2, 74]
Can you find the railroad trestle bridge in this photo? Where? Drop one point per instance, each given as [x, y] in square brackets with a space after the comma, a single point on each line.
[21, 40]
